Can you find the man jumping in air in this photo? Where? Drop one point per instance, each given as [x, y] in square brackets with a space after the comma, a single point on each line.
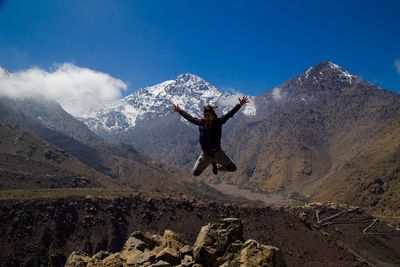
[210, 128]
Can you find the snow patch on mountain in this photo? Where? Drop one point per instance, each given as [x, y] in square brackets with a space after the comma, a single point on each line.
[343, 74]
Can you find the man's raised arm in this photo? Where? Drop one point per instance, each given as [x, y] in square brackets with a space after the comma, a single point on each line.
[235, 109]
[186, 115]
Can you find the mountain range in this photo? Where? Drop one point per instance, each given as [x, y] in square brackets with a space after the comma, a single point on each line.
[188, 91]
[326, 134]
[42, 146]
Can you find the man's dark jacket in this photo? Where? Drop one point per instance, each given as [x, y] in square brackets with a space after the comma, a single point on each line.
[210, 135]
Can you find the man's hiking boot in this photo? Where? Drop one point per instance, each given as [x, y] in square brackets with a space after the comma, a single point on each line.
[214, 168]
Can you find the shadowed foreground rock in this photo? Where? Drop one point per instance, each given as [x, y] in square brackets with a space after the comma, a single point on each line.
[217, 244]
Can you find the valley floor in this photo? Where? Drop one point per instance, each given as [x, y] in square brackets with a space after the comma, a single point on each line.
[268, 199]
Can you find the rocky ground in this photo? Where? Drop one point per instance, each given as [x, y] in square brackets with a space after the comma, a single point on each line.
[44, 232]
[217, 244]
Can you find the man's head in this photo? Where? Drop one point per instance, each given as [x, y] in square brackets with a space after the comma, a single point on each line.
[209, 114]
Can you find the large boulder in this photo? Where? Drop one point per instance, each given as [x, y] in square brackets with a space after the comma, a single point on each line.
[253, 254]
[214, 238]
[139, 241]
[231, 252]
[171, 239]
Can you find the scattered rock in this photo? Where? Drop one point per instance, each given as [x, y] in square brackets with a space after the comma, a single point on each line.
[157, 239]
[214, 238]
[101, 255]
[150, 242]
[187, 261]
[161, 264]
[230, 253]
[139, 241]
[203, 250]
[169, 255]
[186, 250]
[114, 260]
[172, 240]
[140, 259]
[254, 254]
[303, 217]
[77, 259]
[217, 244]
[135, 244]
[376, 189]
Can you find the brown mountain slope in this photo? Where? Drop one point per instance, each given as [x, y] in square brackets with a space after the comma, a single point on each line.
[371, 177]
[309, 130]
[167, 139]
[306, 126]
[46, 123]
[29, 162]
[278, 151]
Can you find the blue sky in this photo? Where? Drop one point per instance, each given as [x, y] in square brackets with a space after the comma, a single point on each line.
[249, 46]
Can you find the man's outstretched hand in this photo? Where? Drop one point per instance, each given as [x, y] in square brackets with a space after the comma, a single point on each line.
[176, 108]
[244, 100]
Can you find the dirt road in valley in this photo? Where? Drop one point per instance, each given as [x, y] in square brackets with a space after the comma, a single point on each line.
[270, 199]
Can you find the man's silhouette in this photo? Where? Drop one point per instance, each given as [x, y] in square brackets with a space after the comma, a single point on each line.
[210, 127]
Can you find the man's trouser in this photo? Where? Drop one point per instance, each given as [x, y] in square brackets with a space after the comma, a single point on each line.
[219, 157]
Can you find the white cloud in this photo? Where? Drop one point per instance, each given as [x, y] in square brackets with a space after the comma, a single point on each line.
[75, 88]
[231, 90]
[277, 93]
[397, 65]
[231, 99]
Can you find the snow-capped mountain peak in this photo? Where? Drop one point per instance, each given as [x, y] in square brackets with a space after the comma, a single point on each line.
[189, 77]
[324, 71]
[190, 92]
[343, 74]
